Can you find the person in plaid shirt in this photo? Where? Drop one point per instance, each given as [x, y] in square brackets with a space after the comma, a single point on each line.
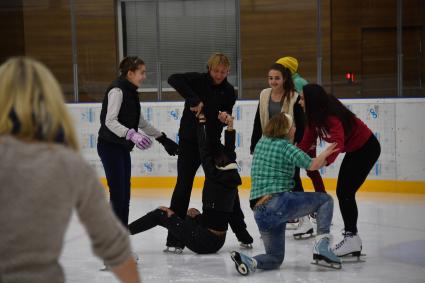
[274, 202]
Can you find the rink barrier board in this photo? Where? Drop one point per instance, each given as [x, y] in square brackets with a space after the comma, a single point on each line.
[384, 186]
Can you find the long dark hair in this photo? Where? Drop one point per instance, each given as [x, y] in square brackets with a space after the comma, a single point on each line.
[288, 85]
[319, 106]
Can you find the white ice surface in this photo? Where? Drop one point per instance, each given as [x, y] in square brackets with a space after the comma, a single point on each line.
[391, 226]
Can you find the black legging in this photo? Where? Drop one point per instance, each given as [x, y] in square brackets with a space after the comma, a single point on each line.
[197, 238]
[353, 172]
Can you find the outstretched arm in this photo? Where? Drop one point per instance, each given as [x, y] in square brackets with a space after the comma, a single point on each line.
[205, 152]
[230, 137]
[320, 161]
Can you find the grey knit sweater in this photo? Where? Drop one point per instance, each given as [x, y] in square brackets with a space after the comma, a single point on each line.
[40, 185]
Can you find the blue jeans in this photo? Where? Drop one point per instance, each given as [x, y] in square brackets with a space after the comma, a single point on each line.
[271, 218]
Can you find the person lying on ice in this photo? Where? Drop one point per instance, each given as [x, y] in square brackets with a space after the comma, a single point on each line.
[204, 233]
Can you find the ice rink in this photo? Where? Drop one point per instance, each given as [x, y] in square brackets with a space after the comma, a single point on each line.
[392, 228]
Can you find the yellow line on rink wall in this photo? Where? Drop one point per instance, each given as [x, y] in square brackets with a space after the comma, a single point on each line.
[385, 186]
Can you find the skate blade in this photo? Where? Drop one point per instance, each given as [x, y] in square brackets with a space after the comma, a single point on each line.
[323, 263]
[353, 258]
[303, 236]
[241, 267]
[245, 246]
[105, 268]
[173, 250]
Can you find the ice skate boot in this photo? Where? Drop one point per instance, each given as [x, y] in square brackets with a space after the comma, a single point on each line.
[305, 230]
[350, 247]
[292, 224]
[173, 250]
[245, 239]
[243, 263]
[322, 253]
[313, 218]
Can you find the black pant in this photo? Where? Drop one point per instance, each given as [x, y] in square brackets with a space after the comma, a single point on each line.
[117, 164]
[353, 172]
[197, 238]
[188, 163]
[237, 222]
[298, 187]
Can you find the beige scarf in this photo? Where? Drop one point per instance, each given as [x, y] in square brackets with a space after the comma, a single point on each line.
[287, 107]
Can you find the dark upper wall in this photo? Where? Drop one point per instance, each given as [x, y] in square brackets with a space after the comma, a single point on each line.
[364, 42]
[11, 29]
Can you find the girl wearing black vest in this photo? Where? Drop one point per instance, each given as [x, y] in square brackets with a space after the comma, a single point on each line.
[120, 120]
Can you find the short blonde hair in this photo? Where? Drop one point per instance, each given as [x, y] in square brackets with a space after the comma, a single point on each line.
[218, 59]
[29, 91]
[278, 126]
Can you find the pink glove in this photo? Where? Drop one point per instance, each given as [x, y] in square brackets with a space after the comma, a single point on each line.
[140, 140]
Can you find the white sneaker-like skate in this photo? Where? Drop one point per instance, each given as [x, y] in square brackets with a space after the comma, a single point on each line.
[313, 218]
[322, 253]
[173, 250]
[350, 246]
[305, 229]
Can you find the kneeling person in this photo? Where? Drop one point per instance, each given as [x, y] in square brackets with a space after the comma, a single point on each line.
[274, 202]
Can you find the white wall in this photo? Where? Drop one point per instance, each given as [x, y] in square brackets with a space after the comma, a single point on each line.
[399, 125]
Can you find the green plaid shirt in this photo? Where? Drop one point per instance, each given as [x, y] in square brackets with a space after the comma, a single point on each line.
[273, 166]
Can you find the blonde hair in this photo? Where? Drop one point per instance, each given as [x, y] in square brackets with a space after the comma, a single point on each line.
[29, 91]
[278, 126]
[218, 59]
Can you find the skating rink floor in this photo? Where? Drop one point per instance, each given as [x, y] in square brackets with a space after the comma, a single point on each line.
[392, 228]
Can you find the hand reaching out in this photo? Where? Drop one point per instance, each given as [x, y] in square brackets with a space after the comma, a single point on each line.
[193, 212]
[197, 109]
[166, 209]
[140, 140]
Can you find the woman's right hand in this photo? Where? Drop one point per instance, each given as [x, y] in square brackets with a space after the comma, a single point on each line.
[197, 109]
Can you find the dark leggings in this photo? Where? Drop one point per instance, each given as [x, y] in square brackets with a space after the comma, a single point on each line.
[353, 172]
[197, 238]
[117, 164]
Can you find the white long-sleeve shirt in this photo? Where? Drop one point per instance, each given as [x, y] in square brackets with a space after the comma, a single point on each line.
[111, 120]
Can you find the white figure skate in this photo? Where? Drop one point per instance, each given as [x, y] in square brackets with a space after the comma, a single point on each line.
[173, 250]
[305, 229]
[349, 248]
